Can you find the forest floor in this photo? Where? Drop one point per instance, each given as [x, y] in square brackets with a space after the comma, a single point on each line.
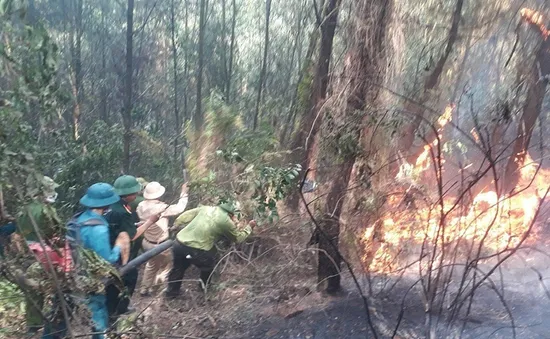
[267, 289]
[274, 296]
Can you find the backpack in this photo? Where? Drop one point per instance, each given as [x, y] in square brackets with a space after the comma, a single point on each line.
[73, 240]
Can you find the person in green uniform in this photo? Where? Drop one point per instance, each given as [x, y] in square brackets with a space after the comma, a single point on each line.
[39, 214]
[195, 244]
[122, 219]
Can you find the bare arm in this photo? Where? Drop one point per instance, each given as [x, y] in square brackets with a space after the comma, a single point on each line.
[178, 208]
[143, 227]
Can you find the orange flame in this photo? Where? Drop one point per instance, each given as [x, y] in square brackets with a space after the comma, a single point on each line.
[422, 162]
[491, 222]
[535, 18]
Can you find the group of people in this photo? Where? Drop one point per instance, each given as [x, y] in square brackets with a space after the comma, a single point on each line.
[116, 222]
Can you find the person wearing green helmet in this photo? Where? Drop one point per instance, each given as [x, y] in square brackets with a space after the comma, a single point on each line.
[195, 243]
[123, 224]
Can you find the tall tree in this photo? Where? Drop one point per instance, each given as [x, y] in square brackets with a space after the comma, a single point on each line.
[128, 104]
[175, 75]
[202, 28]
[231, 51]
[305, 139]
[431, 81]
[537, 82]
[264, 64]
[104, 109]
[76, 64]
[365, 61]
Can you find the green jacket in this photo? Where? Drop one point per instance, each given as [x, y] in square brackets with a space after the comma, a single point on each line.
[206, 226]
[120, 220]
[45, 217]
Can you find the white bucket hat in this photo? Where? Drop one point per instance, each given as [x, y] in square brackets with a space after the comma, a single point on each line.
[153, 190]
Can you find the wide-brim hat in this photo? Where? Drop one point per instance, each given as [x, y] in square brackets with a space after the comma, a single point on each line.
[126, 185]
[99, 195]
[153, 190]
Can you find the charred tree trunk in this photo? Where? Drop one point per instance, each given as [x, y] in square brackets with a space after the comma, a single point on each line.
[364, 66]
[407, 136]
[199, 119]
[537, 83]
[264, 64]
[127, 113]
[304, 141]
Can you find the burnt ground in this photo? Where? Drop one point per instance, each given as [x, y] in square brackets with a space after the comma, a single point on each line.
[274, 296]
[522, 311]
[315, 316]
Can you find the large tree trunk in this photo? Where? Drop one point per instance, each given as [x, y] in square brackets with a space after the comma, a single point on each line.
[364, 66]
[199, 119]
[407, 135]
[127, 113]
[536, 91]
[264, 64]
[304, 140]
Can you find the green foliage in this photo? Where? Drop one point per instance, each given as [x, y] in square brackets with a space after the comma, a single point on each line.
[227, 163]
[12, 305]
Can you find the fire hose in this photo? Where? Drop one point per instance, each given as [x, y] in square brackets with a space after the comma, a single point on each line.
[21, 279]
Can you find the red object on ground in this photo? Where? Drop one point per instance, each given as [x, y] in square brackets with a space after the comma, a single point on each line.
[42, 253]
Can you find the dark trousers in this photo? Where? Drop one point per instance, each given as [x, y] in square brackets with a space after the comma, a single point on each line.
[185, 256]
[117, 301]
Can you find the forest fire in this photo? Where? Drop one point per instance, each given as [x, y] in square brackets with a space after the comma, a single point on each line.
[423, 161]
[481, 225]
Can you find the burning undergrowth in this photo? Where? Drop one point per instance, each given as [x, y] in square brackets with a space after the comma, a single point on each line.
[440, 214]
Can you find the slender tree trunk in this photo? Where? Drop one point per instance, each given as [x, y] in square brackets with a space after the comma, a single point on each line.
[76, 55]
[304, 141]
[186, 115]
[231, 52]
[175, 66]
[127, 114]
[297, 42]
[202, 26]
[224, 50]
[103, 105]
[301, 84]
[264, 64]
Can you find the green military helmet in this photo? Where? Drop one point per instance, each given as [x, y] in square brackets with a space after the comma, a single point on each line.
[231, 207]
[142, 182]
[48, 189]
[127, 185]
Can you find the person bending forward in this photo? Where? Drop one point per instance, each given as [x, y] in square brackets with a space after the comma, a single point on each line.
[195, 244]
